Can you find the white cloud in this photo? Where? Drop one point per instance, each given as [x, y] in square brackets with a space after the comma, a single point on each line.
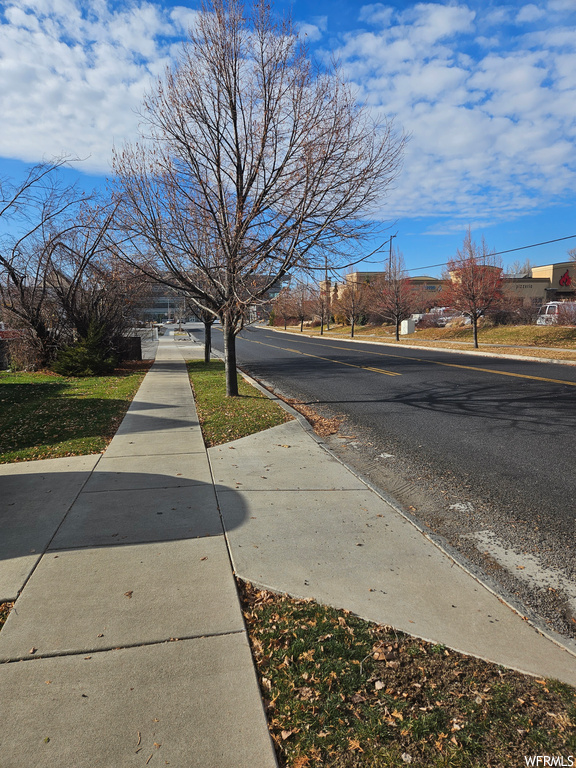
[488, 93]
[72, 79]
[529, 13]
[566, 6]
[377, 13]
[185, 18]
[490, 104]
[310, 31]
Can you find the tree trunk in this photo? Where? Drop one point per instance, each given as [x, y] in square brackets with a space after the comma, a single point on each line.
[207, 340]
[475, 329]
[301, 325]
[397, 329]
[352, 327]
[230, 358]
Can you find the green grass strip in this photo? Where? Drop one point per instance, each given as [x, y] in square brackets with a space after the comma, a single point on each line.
[46, 416]
[341, 692]
[229, 418]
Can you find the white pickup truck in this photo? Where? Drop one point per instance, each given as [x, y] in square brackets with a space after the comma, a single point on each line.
[554, 311]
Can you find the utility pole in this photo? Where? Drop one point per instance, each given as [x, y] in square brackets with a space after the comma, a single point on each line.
[328, 292]
[390, 257]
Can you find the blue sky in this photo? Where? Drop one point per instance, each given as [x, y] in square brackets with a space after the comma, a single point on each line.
[487, 91]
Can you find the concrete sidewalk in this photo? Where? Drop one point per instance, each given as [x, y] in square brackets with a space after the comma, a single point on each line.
[127, 645]
[313, 529]
[310, 527]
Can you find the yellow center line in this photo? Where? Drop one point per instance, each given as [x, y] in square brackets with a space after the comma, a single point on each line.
[327, 359]
[381, 370]
[452, 365]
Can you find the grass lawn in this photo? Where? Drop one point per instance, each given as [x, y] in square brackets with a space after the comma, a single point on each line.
[228, 418]
[341, 692]
[45, 416]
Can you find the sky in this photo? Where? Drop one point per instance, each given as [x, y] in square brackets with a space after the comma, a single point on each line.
[485, 90]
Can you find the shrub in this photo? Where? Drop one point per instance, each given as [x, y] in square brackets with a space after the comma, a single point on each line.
[89, 356]
[567, 314]
[22, 351]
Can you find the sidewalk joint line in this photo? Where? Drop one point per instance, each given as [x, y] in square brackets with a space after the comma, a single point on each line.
[107, 649]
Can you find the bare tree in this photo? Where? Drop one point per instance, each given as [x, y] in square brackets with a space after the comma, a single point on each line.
[91, 285]
[474, 282]
[519, 269]
[394, 296]
[283, 306]
[254, 151]
[58, 268]
[207, 318]
[325, 296]
[39, 211]
[302, 301]
[353, 302]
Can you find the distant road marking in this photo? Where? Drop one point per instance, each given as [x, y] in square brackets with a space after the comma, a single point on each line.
[327, 359]
[380, 370]
[446, 365]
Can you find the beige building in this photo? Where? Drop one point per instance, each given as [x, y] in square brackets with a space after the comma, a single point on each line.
[427, 288]
[551, 282]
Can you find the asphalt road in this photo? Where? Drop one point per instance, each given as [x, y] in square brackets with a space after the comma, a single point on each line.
[488, 445]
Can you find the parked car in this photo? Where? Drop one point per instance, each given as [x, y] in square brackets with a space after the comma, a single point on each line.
[555, 312]
[445, 315]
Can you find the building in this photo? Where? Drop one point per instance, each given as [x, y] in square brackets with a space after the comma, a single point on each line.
[550, 282]
[426, 288]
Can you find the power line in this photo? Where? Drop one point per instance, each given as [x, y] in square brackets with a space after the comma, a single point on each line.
[499, 253]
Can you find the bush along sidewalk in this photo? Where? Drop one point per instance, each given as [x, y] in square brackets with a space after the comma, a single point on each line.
[341, 692]
[89, 356]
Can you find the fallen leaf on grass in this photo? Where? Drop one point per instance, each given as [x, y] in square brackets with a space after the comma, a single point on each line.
[354, 745]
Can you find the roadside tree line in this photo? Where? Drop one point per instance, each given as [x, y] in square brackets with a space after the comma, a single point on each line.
[474, 287]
